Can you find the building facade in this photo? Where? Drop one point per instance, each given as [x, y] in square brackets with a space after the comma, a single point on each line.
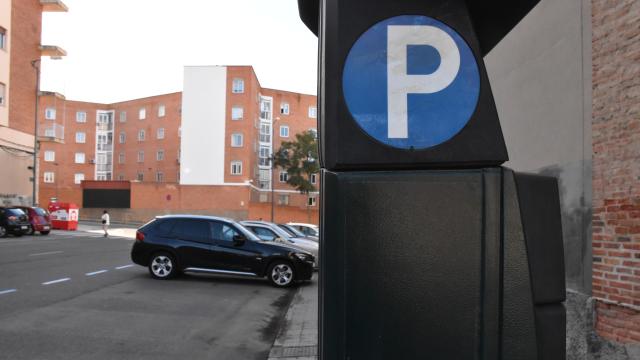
[219, 133]
[566, 86]
[20, 53]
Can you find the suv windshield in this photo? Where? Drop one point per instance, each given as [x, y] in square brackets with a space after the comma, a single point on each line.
[41, 211]
[14, 212]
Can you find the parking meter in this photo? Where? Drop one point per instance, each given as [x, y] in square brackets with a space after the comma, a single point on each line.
[429, 247]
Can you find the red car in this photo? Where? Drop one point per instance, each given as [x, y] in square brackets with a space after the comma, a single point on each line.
[39, 219]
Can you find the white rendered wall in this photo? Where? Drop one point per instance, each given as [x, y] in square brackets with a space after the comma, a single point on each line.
[203, 125]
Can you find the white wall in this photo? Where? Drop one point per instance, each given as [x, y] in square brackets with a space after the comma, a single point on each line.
[203, 125]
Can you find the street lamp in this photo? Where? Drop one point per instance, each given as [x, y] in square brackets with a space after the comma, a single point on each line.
[36, 65]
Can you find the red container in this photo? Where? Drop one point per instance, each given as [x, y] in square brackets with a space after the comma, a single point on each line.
[64, 216]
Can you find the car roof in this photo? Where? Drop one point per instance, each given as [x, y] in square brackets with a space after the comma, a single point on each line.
[200, 217]
[302, 224]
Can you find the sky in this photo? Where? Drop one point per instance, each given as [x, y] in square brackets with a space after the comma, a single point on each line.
[125, 49]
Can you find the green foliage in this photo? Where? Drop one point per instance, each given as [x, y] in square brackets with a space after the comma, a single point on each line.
[299, 158]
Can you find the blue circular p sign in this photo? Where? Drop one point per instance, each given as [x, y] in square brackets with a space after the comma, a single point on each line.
[411, 82]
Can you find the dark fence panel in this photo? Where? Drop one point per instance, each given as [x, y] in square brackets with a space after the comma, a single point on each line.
[106, 198]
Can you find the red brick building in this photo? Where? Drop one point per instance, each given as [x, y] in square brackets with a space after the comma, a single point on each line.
[215, 137]
[20, 53]
[616, 169]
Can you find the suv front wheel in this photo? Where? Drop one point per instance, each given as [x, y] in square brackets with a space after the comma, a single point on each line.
[281, 273]
[162, 266]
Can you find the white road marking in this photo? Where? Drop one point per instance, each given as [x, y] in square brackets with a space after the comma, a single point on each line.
[124, 267]
[47, 253]
[56, 281]
[96, 272]
[2, 292]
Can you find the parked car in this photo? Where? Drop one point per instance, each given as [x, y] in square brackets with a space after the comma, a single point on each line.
[307, 229]
[172, 244]
[293, 231]
[38, 218]
[267, 231]
[13, 221]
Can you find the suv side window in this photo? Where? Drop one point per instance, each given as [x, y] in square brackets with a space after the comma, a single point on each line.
[192, 230]
[163, 227]
[223, 232]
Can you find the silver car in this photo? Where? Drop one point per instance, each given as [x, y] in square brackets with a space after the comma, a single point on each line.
[267, 231]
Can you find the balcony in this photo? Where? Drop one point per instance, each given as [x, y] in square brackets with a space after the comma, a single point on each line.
[54, 52]
[52, 132]
[53, 6]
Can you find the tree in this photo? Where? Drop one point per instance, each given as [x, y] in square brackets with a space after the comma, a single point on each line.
[299, 158]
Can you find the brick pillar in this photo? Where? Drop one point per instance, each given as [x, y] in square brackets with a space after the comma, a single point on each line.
[616, 168]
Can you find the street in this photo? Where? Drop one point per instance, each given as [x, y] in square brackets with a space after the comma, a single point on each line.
[77, 295]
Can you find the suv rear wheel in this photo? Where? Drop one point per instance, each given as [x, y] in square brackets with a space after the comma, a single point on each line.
[162, 266]
[281, 274]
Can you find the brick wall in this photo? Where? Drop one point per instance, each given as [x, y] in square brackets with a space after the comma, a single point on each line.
[26, 26]
[616, 168]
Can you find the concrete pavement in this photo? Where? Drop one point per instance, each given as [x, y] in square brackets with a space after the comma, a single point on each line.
[76, 295]
[298, 337]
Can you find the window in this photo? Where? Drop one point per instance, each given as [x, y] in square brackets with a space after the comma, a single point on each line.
[238, 86]
[81, 137]
[284, 108]
[263, 198]
[222, 231]
[314, 132]
[161, 111]
[3, 94]
[141, 156]
[79, 158]
[236, 140]
[264, 234]
[314, 178]
[284, 131]
[283, 199]
[236, 168]
[123, 116]
[120, 177]
[3, 38]
[159, 176]
[50, 156]
[264, 156]
[50, 113]
[81, 117]
[77, 178]
[313, 112]
[142, 114]
[160, 133]
[284, 176]
[140, 176]
[49, 177]
[237, 113]
[121, 158]
[122, 137]
[311, 201]
[141, 135]
[191, 229]
[49, 132]
[265, 132]
[160, 155]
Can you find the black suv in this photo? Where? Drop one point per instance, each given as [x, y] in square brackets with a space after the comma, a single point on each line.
[13, 221]
[187, 243]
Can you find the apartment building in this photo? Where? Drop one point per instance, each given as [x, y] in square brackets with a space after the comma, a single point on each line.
[20, 53]
[221, 131]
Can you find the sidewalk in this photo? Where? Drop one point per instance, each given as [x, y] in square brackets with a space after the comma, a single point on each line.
[119, 230]
[298, 337]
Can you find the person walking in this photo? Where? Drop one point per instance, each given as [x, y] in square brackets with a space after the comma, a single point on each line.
[105, 222]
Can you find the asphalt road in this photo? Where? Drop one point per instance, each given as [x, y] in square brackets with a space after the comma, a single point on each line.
[78, 296]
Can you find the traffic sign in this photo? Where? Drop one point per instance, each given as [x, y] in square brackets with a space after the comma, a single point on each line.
[411, 82]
